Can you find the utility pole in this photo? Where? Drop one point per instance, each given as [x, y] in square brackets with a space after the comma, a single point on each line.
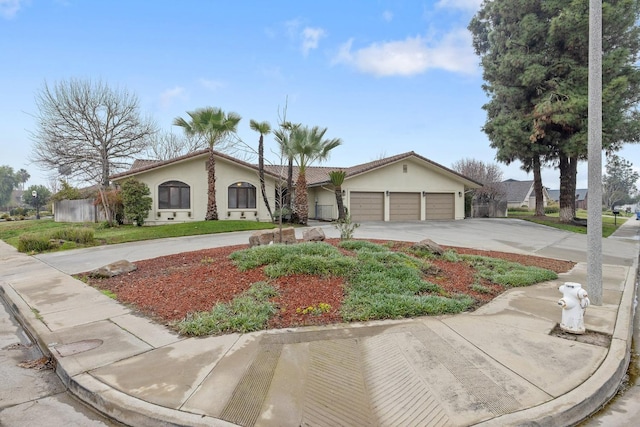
[594, 203]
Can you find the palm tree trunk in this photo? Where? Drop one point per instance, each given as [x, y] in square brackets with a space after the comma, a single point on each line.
[290, 188]
[263, 189]
[301, 203]
[341, 213]
[212, 208]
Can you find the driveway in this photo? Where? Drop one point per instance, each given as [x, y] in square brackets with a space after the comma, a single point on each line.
[506, 235]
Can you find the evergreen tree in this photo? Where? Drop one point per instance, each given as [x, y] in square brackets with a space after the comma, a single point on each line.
[534, 55]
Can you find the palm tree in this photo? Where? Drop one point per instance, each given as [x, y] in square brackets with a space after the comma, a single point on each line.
[306, 146]
[263, 128]
[214, 125]
[337, 178]
[282, 137]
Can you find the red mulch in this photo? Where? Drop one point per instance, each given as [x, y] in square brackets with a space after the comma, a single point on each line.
[167, 288]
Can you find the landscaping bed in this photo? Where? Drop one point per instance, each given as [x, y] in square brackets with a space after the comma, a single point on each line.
[172, 288]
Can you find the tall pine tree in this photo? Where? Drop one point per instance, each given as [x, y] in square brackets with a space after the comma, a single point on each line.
[534, 55]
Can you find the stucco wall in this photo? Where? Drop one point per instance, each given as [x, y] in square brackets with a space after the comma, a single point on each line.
[419, 177]
[193, 173]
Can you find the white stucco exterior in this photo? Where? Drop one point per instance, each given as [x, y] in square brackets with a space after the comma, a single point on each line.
[193, 172]
[391, 179]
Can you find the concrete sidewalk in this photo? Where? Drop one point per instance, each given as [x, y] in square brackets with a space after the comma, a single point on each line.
[496, 366]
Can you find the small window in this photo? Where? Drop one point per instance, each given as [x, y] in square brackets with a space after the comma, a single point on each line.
[242, 195]
[404, 168]
[174, 195]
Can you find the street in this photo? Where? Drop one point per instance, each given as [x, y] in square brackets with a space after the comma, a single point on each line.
[31, 392]
[624, 409]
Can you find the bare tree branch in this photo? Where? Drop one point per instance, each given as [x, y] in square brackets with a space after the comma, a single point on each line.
[87, 131]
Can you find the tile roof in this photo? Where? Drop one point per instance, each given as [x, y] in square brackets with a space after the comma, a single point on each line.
[316, 175]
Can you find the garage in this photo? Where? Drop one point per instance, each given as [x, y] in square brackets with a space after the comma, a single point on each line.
[366, 206]
[404, 206]
[440, 206]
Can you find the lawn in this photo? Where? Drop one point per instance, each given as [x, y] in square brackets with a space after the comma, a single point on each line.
[43, 230]
[609, 222]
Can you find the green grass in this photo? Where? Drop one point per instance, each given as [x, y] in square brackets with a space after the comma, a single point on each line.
[507, 274]
[247, 312]
[609, 223]
[11, 231]
[381, 283]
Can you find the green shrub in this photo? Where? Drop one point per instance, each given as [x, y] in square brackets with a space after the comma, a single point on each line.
[33, 243]
[136, 200]
[519, 209]
[80, 235]
[552, 209]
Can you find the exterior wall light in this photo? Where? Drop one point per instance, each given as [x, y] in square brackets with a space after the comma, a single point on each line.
[459, 193]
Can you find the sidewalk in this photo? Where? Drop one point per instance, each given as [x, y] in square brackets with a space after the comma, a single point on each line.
[496, 366]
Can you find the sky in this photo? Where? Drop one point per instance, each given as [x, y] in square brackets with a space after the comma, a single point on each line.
[386, 77]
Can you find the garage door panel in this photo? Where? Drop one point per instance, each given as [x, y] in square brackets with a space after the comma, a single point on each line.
[404, 206]
[366, 206]
[440, 206]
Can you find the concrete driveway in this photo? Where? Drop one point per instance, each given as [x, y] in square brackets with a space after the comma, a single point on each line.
[506, 235]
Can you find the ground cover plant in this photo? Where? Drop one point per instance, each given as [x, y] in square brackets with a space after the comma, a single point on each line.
[243, 289]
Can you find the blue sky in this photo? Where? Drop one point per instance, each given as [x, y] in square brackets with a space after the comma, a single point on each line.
[384, 76]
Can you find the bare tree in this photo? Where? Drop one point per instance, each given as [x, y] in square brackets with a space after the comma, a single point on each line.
[88, 130]
[167, 145]
[487, 174]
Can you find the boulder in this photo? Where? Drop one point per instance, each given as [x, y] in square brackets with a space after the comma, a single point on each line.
[429, 245]
[313, 235]
[288, 236]
[267, 237]
[260, 238]
[114, 269]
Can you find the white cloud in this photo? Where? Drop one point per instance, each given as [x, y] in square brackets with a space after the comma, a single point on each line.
[468, 5]
[9, 8]
[310, 38]
[387, 15]
[168, 96]
[212, 85]
[414, 55]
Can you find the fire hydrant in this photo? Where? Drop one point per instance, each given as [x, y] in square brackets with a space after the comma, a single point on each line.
[574, 303]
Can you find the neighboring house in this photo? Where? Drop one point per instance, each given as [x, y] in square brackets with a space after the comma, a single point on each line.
[581, 197]
[398, 188]
[521, 194]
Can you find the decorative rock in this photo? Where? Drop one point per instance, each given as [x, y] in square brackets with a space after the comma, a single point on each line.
[313, 235]
[114, 269]
[429, 245]
[288, 236]
[267, 237]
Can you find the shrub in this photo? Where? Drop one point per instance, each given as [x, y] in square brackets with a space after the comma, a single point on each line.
[346, 227]
[552, 209]
[136, 200]
[33, 243]
[80, 235]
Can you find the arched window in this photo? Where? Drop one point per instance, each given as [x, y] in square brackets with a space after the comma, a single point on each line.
[174, 195]
[242, 195]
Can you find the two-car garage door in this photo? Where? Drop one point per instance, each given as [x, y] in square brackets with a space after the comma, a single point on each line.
[369, 206]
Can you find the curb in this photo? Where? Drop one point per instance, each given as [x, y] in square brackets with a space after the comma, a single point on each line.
[596, 391]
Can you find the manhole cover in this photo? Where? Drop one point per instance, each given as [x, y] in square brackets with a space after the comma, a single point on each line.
[589, 337]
